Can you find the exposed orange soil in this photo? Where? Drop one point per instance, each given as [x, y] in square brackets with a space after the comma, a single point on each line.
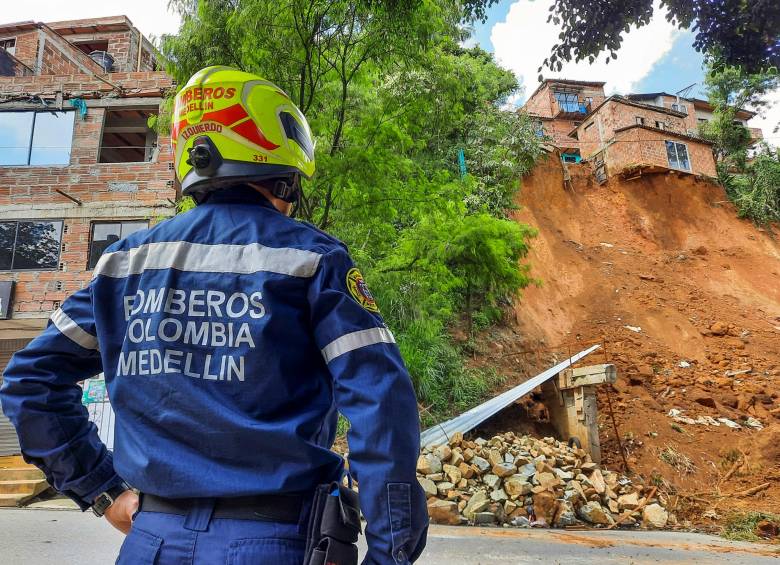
[666, 254]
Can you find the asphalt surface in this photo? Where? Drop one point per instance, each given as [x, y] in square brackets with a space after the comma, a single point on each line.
[43, 537]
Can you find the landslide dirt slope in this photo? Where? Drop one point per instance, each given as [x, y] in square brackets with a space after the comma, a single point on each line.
[666, 254]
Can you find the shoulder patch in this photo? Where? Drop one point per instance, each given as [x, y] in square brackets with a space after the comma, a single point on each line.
[359, 290]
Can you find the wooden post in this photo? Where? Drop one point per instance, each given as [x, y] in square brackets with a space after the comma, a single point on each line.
[571, 401]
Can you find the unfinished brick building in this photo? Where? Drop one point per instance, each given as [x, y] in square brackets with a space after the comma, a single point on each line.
[560, 106]
[622, 135]
[654, 131]
[79, 165]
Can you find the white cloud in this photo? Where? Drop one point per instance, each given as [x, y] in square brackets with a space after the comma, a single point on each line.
[769, 119]
[525, 39]
[150, 16]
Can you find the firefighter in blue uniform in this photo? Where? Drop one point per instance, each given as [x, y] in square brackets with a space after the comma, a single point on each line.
[230, 338]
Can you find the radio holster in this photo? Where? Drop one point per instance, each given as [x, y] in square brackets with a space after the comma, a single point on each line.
[334, 526]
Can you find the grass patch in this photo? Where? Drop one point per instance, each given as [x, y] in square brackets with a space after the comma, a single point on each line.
[742, 526]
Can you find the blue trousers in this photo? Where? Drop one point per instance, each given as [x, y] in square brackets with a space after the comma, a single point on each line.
[199, 539]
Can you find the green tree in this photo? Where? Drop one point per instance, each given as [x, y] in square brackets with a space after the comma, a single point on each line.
[392, 101]
[730, 89]
[752, 184]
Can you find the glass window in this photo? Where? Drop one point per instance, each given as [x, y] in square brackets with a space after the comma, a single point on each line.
[15, 134]
[36, 138]
[7, 237]
[30, 244]
[677, 154]
[106, 233]
[51, 143]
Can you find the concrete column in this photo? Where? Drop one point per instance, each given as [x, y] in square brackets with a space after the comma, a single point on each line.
[571, 401]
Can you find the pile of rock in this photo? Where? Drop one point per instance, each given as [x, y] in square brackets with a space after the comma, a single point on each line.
[523, 481]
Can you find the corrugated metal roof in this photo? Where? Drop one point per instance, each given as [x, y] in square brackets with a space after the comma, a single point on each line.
[467, 421]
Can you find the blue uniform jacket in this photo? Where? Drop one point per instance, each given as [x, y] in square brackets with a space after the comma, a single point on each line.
[230, 338]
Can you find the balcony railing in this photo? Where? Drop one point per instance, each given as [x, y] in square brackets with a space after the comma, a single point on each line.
[570, 108]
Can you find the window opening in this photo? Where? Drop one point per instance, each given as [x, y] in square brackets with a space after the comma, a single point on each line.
[90, 46]
[640, 120]
[568, 102]
[30, 245]
[36, 138]
[677, 154]
[9, 44]
[660, 125]
[127, 137]
[106, 233]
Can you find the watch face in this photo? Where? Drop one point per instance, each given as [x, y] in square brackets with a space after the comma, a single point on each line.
[101, 504]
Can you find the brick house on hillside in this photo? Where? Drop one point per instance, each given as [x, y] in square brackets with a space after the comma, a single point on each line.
[79, 165]
[624, 134]
[560, 106]
[656, 130]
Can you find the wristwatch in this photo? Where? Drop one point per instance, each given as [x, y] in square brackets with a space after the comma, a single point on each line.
[107, 498]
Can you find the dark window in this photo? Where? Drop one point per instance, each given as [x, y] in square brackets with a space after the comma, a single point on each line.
[677, 153]
[36, 138]
[127, 137]
[9, 44]
[90, 46]
[660, 125]
[640, 120]
[106, 233]
[30, 245]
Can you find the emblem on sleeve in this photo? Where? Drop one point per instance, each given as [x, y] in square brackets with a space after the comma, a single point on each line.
[359, 290]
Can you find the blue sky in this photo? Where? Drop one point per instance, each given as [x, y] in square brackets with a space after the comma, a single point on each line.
[657, 57]
[676, 69]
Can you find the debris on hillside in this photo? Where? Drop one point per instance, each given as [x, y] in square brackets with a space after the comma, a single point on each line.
[522, 481]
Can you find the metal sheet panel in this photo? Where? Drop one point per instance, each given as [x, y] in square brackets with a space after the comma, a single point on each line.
[439, 433]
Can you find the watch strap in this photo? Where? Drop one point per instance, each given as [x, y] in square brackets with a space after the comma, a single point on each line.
[106, 498]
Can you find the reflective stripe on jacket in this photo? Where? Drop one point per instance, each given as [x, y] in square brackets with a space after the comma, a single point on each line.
[230, 338]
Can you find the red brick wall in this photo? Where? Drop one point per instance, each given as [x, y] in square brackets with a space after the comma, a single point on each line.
[641, 146]
[559, 130]
[615, 115]
[29, 192]
[540, 104]
[27, 48]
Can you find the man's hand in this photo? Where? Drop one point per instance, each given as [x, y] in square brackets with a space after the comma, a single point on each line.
[120, 514]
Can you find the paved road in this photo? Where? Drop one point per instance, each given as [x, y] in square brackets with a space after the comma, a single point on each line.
[44, 537]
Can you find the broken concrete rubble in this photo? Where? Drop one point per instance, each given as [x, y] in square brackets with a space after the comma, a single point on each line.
[518, 480]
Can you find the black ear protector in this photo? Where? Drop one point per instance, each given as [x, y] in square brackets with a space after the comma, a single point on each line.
[287, 189]
[204, 156]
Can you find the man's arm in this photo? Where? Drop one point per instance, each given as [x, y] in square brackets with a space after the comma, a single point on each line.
[41, 397]
[373, 391]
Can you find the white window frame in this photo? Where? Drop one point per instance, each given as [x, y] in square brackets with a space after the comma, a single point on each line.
[677, 144]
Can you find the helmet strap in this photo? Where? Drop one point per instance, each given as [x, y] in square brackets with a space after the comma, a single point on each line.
[287, 189]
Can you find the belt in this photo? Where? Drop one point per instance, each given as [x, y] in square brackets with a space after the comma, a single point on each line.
[285, 508]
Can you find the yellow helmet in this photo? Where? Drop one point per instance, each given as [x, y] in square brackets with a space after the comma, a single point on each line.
[230, 126]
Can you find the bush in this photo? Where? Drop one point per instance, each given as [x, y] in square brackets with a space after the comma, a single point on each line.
[756, 191]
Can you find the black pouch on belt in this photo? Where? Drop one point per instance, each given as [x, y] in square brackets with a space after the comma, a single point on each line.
[334, 526]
